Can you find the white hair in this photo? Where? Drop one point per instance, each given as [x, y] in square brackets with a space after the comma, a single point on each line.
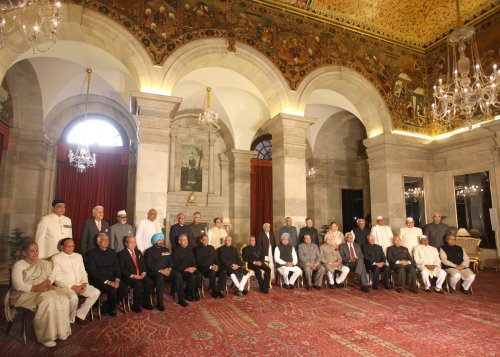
[265, 224]
[95, 209]
[285, 234]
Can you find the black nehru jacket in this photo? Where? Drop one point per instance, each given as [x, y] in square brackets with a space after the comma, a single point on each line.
[175, 231]
[205, 257]
[158, 258]
[360, 235]
[373, 253]
[286, 252]
[103, 265]
[395, 254]
[183, 259]
[313, 232]
[229, 256]
[252, 254]
[454, 254]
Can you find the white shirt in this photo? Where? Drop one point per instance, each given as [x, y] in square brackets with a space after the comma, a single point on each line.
[280, 261]
[51, 229]
[410, 237]
[145, 231]
[214, 236]
[17, 276]
[383, 236]
[69, 270]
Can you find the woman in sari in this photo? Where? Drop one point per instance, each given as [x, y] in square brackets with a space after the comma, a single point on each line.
[335, 234]
[32, 289]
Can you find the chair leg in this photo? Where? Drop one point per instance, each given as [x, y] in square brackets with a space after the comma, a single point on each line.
[25, 316]
[9, 326]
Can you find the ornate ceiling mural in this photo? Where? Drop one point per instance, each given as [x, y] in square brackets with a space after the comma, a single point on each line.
[413, 23]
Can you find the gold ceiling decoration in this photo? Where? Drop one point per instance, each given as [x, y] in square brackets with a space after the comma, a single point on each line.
[413, 23]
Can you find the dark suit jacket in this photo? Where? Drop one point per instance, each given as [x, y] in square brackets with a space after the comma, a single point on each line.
[89, 234]
[252, 254]
[313, 232]
[102, 265]
[127, 264]
[175, 231]
[205, 257]
[158, 258]
[262, 243]
[398, 253]
[373, 254]
[360, 235]
[346, 254]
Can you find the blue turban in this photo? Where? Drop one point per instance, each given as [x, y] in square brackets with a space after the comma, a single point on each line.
[156, 237]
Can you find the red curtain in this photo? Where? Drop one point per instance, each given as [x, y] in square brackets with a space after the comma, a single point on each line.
[104, 185]
[261, 191]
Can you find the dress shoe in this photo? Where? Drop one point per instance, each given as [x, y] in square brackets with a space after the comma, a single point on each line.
[239, 293]
[182, 303]
[245, 291]
[197, 298]
[111, 313]
[49, 343]
[147, 307]
[160, 308]
[80, 321]
[332, 286]
[221, 295]
[388, 287]
[439, 291]
[414, 290]
[340, 286]
[265, 291]
[466, 292]
[452, 291]
[399, 290]
[135, 309]
[317, 287]
[427, 290]
[291, 286]
[308, 287]
[374, 287]
[365, 289]
[190, 298]
[215, 295]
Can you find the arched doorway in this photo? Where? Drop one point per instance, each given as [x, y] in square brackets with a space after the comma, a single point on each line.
[105, 184]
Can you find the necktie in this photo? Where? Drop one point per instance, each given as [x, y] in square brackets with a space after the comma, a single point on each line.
[99, 226]
[351, 250]
[135, 262]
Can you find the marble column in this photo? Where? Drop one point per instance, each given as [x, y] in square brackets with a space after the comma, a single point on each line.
[239, 193]
[154, 113]
[289, 167]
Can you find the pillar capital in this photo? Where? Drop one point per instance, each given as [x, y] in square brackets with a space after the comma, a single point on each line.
[154, 105]
[284, 123]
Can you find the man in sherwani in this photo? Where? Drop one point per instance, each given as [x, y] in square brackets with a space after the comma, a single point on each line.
[361, 232]
[456, 263]
[146, 228]
[160, 269]
[256, 261]
[332, 261]
[436, 231]
[310, 261]
[382, 233]
[185, 264]
[71, 275]
[292, 232]
[133, 268]
[231, 262]
[196, 229]
[428, 262]
[266, 243]
[352, 257]
[177, 229]
[309, 229]
[286, 258]
[120, 230]
[216, 234]
[401, 261]
[410, 235]
[91, 228]
[104, 272]
[52, 228]
[375, 262]
[209, 266]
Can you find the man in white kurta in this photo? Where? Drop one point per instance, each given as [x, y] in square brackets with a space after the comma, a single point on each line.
[410, 235]
[429, 264]
[52, 228]
[382, 233]
[216, 234]
[146, 229]
[70, 275]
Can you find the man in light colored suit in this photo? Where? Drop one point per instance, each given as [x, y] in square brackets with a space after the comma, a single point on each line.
[410, 235]
[429, 264]
[217, 234]
[352, 256]
[120, 230]
[52, 228]
[382, 233]
[310, 261]
[436, 231]
[291, 230]
[70, 274]
[332, 261]
[92, 228]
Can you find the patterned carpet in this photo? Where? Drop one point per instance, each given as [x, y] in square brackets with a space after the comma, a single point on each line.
[293, 323]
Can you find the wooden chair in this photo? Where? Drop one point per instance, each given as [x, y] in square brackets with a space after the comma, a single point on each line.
[19, 310]
[471, 247]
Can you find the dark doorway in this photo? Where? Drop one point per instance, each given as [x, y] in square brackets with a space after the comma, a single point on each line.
[352, 208]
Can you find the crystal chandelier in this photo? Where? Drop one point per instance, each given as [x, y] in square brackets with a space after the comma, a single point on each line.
[32, 22]
[414, 195]
[82, 158]
[468, 191]
[208, 118]
[467, 91]
[310, 173]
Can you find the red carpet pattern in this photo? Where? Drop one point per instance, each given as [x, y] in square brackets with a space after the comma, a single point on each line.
[293, 323]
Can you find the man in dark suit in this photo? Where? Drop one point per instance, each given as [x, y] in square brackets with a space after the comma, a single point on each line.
[177, 229]
[375, 262]
[309, 229]
[91, 228]
[230, 260]
[160, 268]
[361, 232]
[133, 270]
[352, 257]
[265, 240]
[208, 265]
[255, 259]
[104, 273]
[402, 262]
[185, 264]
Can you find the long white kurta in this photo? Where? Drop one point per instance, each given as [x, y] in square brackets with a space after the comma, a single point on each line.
[51, 229]
[216, 236]
[383, 236]
[410, 237]
[145, 231]
[427, 255]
